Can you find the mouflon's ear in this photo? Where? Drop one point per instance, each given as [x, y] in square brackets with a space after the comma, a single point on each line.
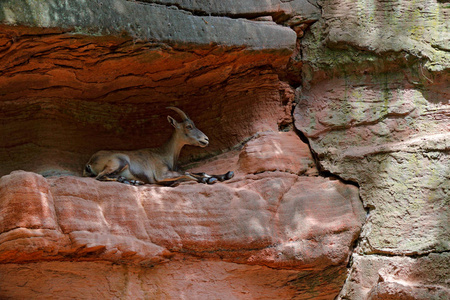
[172, 121]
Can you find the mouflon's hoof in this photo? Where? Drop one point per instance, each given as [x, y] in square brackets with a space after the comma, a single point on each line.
[136, 182]
[229, 175]
[226, 176]
[122, 179]
[211, 180]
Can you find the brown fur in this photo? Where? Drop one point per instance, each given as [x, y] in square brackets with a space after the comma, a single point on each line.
[152, 165]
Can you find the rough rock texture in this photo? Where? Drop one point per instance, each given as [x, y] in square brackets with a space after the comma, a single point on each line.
[277, 220]
[266, 151]
[369, 82]
[80, 76]
[146, 22]
[282, 151]
[375, 108]
[290, 12]
[381, 277]
[75, 95]
[66, 93]
[181, 279]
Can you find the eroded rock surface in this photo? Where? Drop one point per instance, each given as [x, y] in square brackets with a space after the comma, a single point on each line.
[266, 151]
[380, 277]
[278, 220]
[146, 22]
[64, 97]
[80, 76]
[375, 108]
[181, 279]
[308, 10]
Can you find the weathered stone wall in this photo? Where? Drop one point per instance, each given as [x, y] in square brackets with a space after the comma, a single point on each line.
[375, 107]
[369, 83]
[82, 76]
[87, 76]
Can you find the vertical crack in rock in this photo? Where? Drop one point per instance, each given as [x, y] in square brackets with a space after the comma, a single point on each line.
[371, 104]
[374, 102]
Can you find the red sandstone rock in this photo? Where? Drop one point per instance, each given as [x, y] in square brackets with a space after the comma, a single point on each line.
[181, 279]
[272, 219]
[266, 151]
[276, 151]
[65, 96]
[26, 203]
[219, 164]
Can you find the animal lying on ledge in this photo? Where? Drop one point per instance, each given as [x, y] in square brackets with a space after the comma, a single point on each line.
[153, 165]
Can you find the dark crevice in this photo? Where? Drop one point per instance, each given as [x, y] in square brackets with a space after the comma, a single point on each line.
[203, 13]
[305, 140]
[327, 174]
[322, 172]
[277, 17]
[414, 255]
[330, 175]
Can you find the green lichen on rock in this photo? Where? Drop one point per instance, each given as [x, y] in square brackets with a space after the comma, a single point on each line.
[408, 192]
[376, 34]
[374, 105]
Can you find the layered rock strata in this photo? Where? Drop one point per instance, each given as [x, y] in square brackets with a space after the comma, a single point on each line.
[84, 76]
[272, 220]
[375, 108]
[81, 76]
[373, 103]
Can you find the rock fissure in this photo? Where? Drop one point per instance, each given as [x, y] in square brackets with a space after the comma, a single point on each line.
[367, 62]
[410, 255]
[282, 18]
[199, 12]
[362, 175]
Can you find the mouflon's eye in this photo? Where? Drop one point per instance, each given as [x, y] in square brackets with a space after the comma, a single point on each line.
[189, 127]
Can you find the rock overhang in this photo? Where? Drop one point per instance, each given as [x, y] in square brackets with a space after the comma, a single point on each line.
[84, 76]
[152, 22]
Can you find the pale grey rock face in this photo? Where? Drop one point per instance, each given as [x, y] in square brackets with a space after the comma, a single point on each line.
[394, 142]
[309, 10]
[420, 28]
[386, 128]
[375, 107]
[150, 22]
[381, 277]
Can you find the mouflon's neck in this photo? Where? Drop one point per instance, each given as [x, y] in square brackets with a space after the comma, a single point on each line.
[172, 150]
